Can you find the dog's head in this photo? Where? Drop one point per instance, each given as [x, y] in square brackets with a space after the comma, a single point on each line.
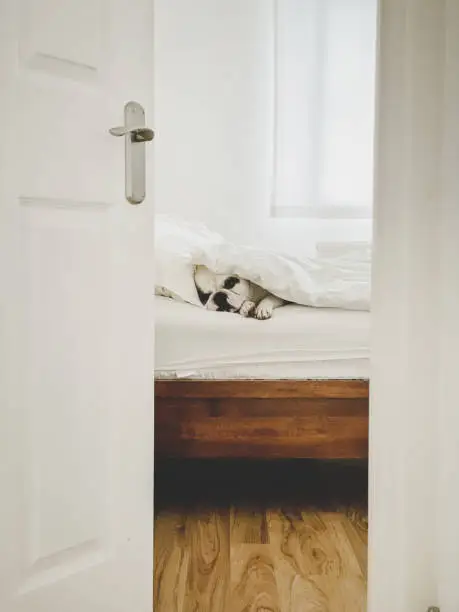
[220, 291]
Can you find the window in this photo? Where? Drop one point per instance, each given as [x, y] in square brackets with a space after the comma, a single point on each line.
[325, 60]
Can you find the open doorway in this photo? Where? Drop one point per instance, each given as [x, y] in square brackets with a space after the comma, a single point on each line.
[264, 178]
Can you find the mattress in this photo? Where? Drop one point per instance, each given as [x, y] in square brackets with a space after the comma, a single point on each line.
[297, 343]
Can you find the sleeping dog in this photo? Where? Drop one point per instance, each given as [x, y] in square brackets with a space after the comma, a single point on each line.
[234, 294]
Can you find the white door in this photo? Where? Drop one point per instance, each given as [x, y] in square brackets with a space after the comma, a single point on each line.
[76, 290]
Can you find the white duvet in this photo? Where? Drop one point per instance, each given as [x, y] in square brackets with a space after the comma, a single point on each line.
[339, 281]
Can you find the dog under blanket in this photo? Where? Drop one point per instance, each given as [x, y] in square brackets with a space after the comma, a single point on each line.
[234, 294]
[185, 250]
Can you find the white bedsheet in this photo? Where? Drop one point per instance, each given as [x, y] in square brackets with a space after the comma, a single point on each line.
[297, 343]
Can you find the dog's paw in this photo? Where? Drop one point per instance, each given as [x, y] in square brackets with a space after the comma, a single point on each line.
[263, 311]
[247, 308]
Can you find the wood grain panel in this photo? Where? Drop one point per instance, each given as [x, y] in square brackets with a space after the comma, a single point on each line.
[248, 526]
[207, 538]
[171, 563]
[260, 407]
[262, 419]
[317, 560]
[248, 536]
[269, 561]
[253, 580]
[281, 437]
[262, 388]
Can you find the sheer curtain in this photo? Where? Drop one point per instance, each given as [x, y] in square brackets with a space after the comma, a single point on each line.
[414, 412]
[325, 54]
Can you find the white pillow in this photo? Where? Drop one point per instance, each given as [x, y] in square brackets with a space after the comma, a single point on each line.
[177, 242]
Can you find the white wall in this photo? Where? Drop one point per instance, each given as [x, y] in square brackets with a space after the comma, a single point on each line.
[213, 116]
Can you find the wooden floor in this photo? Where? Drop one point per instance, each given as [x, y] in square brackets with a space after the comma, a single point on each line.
[268, 537]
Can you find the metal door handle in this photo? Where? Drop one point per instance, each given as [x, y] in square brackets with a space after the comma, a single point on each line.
[136, 135]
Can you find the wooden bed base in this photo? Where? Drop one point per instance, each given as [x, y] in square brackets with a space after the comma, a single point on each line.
[326, 419]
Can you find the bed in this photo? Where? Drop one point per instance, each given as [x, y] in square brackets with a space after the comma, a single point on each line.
[295, 386]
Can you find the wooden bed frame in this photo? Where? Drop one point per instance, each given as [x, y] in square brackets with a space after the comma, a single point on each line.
[261, 419]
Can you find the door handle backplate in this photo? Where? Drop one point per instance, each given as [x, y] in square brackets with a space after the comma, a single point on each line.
[136, 135]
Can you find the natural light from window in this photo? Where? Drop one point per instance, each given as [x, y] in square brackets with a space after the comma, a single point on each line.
[325, 64]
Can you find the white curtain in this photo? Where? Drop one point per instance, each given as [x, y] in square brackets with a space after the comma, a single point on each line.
[324, 110]
[414, 412]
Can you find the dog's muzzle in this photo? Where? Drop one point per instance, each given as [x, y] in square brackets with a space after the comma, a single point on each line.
[225, 300]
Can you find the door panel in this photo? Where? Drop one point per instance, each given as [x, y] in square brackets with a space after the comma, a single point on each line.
[71, 422]
[64, 68]
[73, 34]
[76, 383]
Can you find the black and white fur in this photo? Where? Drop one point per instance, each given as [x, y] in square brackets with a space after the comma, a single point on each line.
[234, 294]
